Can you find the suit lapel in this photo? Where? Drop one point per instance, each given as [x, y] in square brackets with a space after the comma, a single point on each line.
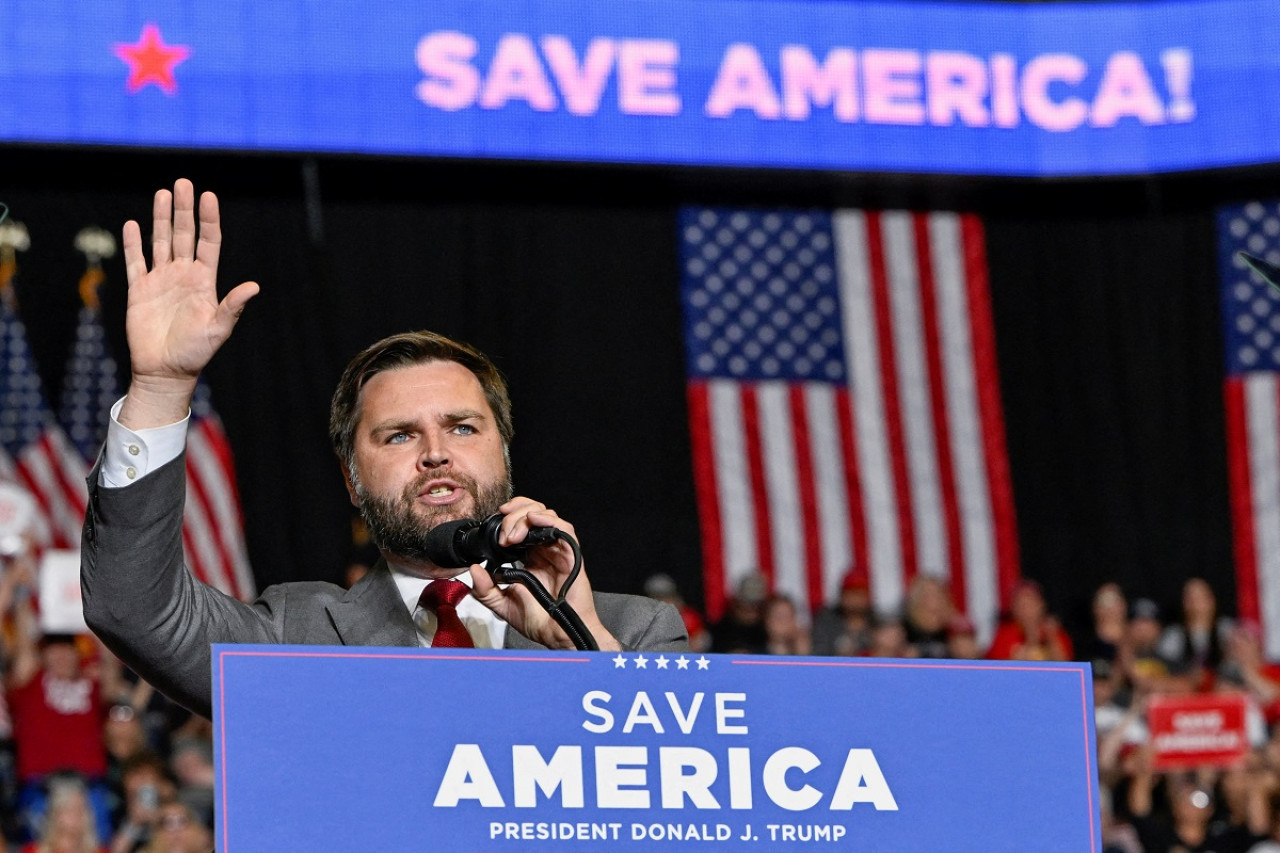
[373, 614]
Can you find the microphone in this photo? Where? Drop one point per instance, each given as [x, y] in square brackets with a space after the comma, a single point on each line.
[458, 544]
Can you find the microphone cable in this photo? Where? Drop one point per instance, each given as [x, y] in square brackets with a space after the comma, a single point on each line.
[556, 606]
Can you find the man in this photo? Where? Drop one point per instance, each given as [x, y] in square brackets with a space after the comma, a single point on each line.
[421, 425]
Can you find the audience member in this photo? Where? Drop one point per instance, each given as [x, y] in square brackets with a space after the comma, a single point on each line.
[1112, 711]
[962, 639]
[1195, 641]
[1029, 631]
[191, 763]
[58, 717]
[741, 629]
[179, 829]
[1271, 844]
[844, 628]
[1244, 664]
[68, 825]
[784, 633]
[1108, 626]
[889, 639]
[927, 615]
[1118, 835]
[1243, 792]
[1139, 656]
[146, 783]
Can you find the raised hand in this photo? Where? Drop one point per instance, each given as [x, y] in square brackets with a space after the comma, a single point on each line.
[174, 321]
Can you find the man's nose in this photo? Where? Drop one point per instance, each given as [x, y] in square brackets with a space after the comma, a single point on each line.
[433, 454]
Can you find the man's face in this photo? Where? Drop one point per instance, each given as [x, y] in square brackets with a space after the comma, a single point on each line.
[427, 451]
[61, 660]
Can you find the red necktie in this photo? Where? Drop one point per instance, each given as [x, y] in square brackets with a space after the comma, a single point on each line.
[441, 598]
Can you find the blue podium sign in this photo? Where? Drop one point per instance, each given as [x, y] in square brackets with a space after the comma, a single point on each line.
[341, 749]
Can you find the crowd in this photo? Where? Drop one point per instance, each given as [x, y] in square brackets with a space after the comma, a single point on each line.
[93, 760]
[1137, 651]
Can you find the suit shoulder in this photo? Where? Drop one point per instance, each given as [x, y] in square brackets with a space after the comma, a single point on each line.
[317, 591]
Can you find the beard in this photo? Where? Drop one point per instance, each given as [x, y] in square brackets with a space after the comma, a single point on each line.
[399, 525]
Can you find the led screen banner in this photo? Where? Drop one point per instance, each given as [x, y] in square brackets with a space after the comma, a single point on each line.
[1056, 89]
[340, 749]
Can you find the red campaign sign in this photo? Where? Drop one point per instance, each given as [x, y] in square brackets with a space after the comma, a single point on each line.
[1199, 729]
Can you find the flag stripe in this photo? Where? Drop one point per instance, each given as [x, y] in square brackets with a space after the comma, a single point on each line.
[811, 563]
[1239, 465]
[52, 468]
[781, 489]
[857, 520]
[829, 528]
[213, 465]
[759, 487]
[899, 453]
[999, 482]
[934, 331]
[205, 516]
[732, 474]
[707, 489]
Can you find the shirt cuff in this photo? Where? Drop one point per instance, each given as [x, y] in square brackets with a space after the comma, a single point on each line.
[130, 455]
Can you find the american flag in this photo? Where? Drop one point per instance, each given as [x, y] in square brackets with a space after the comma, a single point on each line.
[90, 386]
[36, 453]
[213, 525]
[1251, 332]
[844, 404]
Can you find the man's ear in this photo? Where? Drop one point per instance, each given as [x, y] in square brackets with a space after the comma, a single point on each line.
[351, 489]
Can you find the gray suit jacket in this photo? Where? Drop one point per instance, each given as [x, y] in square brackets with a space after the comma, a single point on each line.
[149, 610]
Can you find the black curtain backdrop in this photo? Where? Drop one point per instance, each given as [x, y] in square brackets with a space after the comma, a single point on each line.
[1104, 292]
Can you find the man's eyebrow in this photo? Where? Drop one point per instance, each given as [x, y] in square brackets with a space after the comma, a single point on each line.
[462, 415]
[392, 424]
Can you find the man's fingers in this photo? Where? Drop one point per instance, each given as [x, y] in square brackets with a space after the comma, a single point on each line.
[162, 228]
[210, 231]
[135, 262]
[232, 305]
[481, 582]
[184, 220]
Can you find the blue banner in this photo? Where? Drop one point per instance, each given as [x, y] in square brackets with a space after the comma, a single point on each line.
[342, 749]
[1052, 89]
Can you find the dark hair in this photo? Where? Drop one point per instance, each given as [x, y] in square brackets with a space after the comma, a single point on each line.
[56, 638]
[404, 350]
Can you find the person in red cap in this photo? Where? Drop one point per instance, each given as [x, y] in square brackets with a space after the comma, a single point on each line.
[844, 628]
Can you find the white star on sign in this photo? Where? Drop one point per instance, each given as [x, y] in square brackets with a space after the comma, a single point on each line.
[703, 663]
[641, 661]
[619, 662]
[682, 662]
[662, 662]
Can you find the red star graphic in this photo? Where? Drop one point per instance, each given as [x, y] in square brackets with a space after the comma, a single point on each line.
[151, 60]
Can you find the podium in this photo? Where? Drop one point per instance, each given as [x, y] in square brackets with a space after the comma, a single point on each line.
[474, 751]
